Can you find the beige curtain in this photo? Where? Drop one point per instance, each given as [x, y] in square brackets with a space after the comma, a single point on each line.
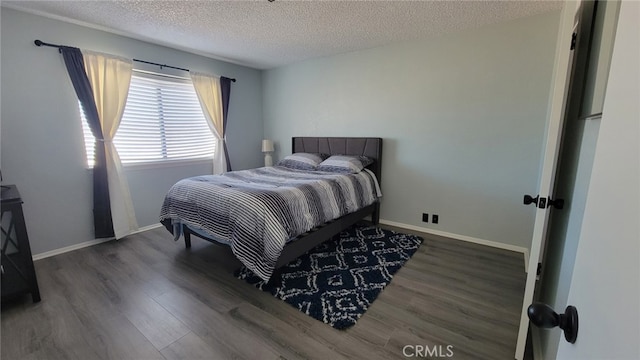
[110, 77]
[210, 96]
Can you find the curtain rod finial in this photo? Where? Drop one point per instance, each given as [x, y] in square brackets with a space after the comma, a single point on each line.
[38, 42]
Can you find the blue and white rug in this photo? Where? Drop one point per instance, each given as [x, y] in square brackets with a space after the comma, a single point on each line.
[337, 281]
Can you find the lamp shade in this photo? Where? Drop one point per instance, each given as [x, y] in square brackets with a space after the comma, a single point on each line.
[267, 145]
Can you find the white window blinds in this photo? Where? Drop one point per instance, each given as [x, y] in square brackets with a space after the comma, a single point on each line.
[162, 121]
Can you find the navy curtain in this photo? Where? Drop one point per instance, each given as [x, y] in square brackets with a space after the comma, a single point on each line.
[74, 61]
[225, 85]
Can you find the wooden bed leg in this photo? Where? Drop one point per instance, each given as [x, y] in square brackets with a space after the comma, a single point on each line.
[187, 237]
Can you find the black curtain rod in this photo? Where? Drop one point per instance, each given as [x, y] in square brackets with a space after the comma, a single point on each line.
[42, 43]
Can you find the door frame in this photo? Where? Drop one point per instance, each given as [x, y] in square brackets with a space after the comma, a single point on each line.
[557, 111]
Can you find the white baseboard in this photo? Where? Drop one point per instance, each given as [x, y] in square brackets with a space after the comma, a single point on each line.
[471, 239]
[85, 244]
[148, 227]
[65, 249]
[494, 244]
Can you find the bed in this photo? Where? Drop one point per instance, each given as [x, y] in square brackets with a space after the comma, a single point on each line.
[265, 232]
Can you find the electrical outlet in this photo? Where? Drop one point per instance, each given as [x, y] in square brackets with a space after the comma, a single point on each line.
[434, 219]
[425, 217]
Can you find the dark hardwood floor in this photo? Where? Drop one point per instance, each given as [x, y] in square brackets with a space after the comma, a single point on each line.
[147, 297]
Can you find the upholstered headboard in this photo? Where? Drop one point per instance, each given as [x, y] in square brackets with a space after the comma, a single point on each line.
[371, 147]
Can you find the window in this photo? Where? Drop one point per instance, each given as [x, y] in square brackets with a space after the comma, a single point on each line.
[162, 121]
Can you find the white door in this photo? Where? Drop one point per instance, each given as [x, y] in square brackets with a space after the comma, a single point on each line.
[557, 110]
[605, 287]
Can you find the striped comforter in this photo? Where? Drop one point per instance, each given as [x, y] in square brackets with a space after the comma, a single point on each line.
[256, 211]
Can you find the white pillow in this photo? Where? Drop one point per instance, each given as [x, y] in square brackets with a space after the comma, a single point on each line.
[350, 164]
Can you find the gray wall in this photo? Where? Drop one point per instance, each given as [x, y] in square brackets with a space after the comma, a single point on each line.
[41, 140]
[462, 116]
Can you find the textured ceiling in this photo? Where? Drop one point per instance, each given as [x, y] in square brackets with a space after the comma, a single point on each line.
[264, 34]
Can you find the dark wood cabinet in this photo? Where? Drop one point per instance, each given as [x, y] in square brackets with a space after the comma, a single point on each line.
[18, 273]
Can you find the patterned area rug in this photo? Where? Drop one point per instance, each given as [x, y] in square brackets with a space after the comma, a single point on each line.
[337, 281]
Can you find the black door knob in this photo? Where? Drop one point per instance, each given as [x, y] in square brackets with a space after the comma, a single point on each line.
[543, 316]
[528, 199]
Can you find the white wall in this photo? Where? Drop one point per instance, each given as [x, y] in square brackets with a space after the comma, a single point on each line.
[574, 174]
[41, 140]
[605, 286]
[462, 117]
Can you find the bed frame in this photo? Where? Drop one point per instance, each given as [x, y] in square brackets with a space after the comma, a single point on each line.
[371, 147]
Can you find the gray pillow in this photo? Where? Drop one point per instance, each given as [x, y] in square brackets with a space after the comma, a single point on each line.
[350, 164]
[302, 161]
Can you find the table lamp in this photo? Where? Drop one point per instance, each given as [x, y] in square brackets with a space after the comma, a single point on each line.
[267, 149]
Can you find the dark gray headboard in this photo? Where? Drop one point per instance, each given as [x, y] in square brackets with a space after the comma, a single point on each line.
[371, 147]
